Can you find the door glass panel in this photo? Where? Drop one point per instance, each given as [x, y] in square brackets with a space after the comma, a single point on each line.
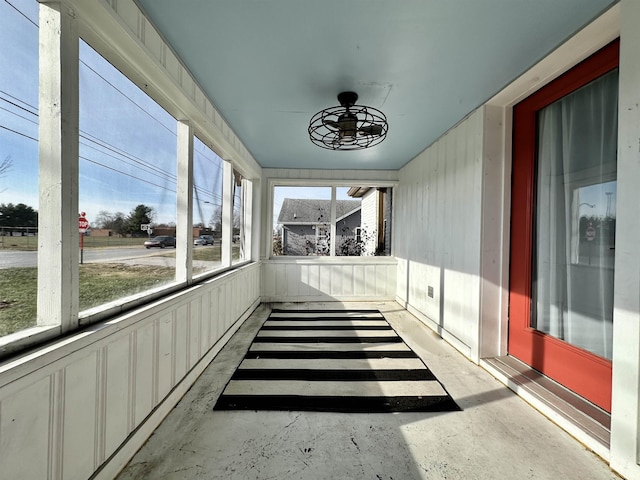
[575, 217]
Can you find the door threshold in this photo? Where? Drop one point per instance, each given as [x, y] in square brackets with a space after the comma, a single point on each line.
[582, 419]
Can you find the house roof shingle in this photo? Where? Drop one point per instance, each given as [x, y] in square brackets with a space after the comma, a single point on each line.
[304, 210]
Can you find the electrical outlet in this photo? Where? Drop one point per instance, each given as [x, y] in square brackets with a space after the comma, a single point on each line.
[430, 291]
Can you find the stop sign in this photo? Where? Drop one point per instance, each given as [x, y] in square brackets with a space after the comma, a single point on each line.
[83, 224]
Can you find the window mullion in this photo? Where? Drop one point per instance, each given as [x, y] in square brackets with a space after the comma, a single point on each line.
[184, 210]
[247, 202]
[58, 237]
[227, 213]
[332, 244]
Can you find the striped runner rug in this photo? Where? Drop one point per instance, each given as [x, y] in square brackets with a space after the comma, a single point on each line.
[337, 361]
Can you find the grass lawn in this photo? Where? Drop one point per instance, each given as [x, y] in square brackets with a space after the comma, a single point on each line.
[99, 284]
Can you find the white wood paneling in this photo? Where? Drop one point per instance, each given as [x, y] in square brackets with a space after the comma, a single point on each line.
[117, 398]
[81, 405]
[438, 232]
[144, 365]
[67, 408]
[338, 278]
[27, 413]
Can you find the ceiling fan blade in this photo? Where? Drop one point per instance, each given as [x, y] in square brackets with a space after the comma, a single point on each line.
[371, 130]
[331, 124]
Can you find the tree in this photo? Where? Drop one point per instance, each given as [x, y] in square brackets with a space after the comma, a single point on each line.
[216, 220]
[5, 166]
[140, 215]
[116, 222]
[19, 215]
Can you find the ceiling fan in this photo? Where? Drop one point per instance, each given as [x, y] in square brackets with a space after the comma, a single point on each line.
[348, 126]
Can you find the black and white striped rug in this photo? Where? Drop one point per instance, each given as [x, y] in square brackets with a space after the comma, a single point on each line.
[337, 361]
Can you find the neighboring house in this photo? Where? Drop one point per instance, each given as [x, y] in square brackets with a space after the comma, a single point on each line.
[374, 234]
[306, 225]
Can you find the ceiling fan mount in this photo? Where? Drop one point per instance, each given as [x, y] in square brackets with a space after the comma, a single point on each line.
[347, 99]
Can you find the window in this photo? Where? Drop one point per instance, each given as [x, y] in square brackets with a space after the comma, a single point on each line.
[123, 178]
[18, 164]
[302, 219]
[239, 251]
[207, 208]
[369, 237]
[128, 152]
[575, 217]
[327, 221]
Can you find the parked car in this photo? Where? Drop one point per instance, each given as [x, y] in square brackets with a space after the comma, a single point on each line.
[162, 241]
[204, 240]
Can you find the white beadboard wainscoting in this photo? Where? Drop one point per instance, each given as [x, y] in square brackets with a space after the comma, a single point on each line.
[86, 403]
[326, 279]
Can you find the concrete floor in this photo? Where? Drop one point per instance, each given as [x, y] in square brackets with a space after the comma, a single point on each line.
[495, 436]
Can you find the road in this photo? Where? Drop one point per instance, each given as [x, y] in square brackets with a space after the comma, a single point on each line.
[17, 259]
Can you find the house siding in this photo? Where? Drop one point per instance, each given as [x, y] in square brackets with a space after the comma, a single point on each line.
[369, 222]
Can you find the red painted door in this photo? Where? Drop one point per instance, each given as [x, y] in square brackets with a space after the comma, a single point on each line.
[563, 225]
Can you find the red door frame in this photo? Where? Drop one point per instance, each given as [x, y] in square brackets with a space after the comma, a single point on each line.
[583, 372]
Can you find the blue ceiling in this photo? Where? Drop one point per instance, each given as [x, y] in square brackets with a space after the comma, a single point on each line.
[269, 66]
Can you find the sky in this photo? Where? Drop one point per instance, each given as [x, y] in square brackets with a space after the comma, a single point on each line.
[18, 102]
[127, 141]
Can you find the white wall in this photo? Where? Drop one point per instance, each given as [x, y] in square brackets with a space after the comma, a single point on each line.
[437, 218]
[67, 408]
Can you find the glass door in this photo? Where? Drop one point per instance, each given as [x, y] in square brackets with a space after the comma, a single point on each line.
[563, 227]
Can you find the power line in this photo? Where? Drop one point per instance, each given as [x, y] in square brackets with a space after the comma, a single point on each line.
[18, 133]
[143, 165]
[158, 174]
[218, 165]
[104, 144]
[127, 97]
[122, 155]
[95, 162]
[98, 74]
[18, 115]
[21, 12]
[16, 105]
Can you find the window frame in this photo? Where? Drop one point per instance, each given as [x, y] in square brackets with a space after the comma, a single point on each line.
[272, 183]
[59, 48]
